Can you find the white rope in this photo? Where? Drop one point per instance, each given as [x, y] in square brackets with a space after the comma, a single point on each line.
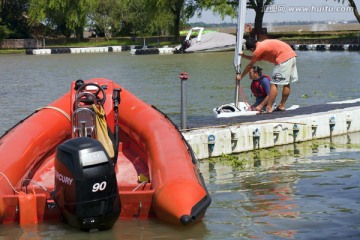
[57, 109]
[36, 183]
[9, 182]
[30, 180]
[142, 183]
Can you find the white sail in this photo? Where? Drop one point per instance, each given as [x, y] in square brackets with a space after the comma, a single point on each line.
[240, 35]
[239, 42]
[236, 108]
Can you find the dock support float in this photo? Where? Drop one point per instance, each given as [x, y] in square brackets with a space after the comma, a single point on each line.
[218, 140]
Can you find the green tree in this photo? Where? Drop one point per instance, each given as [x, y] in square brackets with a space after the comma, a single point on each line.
[13, 20]
[107, 17]
[139, 18]
[127, 17]
[258, 6]
[229, 8]
[136, 18]
[178, 10]
[67, 16]
[162, 24]
[353, 5]
[4, 30]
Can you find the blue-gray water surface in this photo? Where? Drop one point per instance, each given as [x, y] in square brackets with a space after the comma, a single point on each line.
[30, 82]
[312, 193]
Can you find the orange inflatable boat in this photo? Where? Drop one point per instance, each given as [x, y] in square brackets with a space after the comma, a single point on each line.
[95, 155]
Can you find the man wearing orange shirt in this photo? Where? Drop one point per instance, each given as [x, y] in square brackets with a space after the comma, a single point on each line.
[285, 71]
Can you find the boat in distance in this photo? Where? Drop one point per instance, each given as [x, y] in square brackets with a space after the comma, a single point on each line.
[206, 42]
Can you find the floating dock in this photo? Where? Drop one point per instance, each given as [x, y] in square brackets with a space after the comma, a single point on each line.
[211, 137]
[326, 47]
[48, 51]
[146, 51]
[140, 50]
[134, 50]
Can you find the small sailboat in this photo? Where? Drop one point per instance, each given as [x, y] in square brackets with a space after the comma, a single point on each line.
[236, 108]
[206, 42]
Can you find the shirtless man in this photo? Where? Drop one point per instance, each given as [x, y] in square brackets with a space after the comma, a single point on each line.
[285, 71]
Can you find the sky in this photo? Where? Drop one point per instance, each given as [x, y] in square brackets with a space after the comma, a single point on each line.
[293, 10]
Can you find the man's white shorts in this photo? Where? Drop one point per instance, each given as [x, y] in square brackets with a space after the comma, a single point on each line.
[285, 72]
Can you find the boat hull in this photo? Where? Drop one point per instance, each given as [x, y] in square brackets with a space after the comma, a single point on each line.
[150, 154]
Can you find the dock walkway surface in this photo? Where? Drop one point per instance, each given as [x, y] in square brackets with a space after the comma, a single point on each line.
[210, 136]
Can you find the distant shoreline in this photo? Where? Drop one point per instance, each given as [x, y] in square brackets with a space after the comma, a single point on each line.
[293, 34]
[310, 33]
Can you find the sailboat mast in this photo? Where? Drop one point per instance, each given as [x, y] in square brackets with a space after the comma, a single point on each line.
[239, 42]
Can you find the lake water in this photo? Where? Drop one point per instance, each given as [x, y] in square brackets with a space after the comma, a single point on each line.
[311, 192]
[30, 81]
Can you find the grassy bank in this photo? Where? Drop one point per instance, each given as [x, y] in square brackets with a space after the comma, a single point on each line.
[316, 36]
[308, 34]
[11, 51]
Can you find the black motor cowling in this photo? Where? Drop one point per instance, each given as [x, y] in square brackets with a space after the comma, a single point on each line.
[86, 189]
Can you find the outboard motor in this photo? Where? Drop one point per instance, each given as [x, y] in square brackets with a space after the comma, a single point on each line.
[86, 189]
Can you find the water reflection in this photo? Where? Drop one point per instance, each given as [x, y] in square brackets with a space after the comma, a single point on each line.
[272, 196]
[123, 229]
[313, 186]
[298, 193]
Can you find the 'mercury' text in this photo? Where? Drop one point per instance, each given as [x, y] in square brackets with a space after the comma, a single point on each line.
[62, 178]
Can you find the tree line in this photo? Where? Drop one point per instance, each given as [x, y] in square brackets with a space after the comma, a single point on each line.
[114, 18]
